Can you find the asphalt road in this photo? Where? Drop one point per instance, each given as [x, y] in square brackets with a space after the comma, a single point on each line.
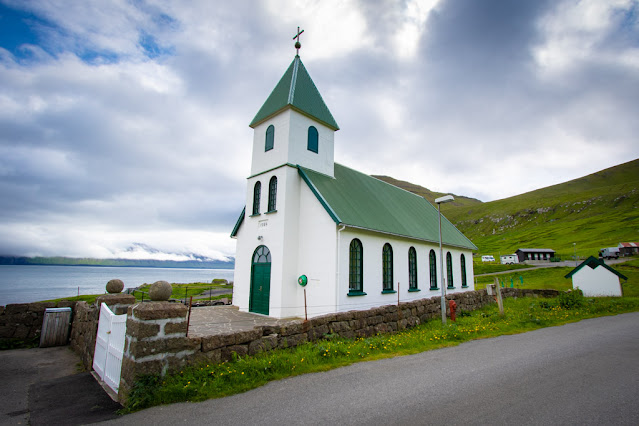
[582, 373]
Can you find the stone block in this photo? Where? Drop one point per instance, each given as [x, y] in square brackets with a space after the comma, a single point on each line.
[317, 333]
[291, 328]
[141, 330]
[294, 340]
[6, 331]
[339, 326]
[270, 342]
[16, 308]
[374, 320]
[115, 299]
[270, 329]
[21, 332]
[67, 304]
[227, 352]
[256, 347]
[347, 334]
[157, 310]
[175, 328]
[247, 336]
[179, 344]
[39, 307]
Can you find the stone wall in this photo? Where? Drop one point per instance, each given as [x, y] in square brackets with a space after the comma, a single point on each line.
[156, 341]
[22, 322]
[84, 328]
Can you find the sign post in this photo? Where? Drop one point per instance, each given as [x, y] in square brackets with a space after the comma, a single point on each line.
[302, 280]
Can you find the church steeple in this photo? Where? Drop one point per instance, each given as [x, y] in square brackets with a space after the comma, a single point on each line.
[297, 91]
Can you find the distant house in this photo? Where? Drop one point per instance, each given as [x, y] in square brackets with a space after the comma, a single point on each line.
[533, 255]
[628, 249]
[595, 278]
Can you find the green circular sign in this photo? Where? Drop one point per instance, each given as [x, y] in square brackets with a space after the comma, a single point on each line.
[302, 280]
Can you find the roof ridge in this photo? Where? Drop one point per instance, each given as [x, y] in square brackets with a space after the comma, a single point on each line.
[291, 91]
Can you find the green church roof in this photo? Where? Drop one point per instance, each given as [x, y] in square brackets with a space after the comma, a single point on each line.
[297, 90]
[358, 200]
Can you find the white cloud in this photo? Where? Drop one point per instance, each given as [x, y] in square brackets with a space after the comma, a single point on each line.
[127, 124]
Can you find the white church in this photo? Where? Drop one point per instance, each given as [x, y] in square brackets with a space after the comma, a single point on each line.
[356, 242]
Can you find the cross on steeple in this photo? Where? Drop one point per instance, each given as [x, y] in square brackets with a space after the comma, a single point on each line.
[297, 43]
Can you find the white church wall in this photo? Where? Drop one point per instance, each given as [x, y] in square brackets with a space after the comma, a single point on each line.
[372, 245]
[596, 282]
[317, 255]
[322, 161]
[265, 160]
[290, 144]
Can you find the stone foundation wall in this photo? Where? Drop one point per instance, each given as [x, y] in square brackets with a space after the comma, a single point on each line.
[23, 321]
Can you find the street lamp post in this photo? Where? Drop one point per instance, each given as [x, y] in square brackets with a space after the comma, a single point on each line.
[440, 201]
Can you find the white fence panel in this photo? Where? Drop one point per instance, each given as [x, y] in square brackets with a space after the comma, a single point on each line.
[109, 347]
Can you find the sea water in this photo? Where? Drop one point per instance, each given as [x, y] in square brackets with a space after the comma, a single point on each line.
[33, 283]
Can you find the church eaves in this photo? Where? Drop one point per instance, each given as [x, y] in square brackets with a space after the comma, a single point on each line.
[296, 90]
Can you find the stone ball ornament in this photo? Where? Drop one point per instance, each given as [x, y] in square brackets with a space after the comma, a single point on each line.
[115, 286]
[160, 291]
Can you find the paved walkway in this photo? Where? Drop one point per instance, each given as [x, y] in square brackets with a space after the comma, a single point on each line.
[212, 320]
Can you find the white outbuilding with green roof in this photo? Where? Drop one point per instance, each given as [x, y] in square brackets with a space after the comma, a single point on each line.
[358, 241]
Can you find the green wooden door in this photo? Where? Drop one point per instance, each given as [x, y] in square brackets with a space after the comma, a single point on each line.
[260, 281]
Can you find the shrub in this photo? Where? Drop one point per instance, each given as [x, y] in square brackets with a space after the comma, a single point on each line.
[571, 299]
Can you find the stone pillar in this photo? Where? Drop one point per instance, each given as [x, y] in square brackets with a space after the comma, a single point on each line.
[156, 342]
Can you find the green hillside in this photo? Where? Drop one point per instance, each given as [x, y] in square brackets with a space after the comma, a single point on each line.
[595, 211]
[460, 200]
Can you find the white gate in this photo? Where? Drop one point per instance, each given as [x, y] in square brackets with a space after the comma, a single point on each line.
[109, 347]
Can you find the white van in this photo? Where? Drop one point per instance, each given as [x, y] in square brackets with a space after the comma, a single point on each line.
[487, 258]
[509, 259]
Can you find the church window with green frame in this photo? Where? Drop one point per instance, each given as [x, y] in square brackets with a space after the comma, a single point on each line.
[462, 263]
[356, 267]
[272, 194]
[270, 138]
[432, 261]
[257, 193]
[387, 268]
[449, 271]
[313, 140]
[412, 269]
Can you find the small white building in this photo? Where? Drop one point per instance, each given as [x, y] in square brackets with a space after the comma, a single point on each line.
[360, 242]
[594, 278]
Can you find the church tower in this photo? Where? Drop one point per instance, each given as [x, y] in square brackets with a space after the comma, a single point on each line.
[294, 127]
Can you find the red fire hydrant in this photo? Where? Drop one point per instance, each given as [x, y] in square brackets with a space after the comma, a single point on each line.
[453, 307]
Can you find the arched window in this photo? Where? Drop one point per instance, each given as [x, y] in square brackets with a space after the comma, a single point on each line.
[387, 268]
[257, 192]
[272, 193]
[449, 270]
[432, 261]
[270, 138]
[356, 267]
[313, 143]
[262, 255]
[462, 263]
[412, 269]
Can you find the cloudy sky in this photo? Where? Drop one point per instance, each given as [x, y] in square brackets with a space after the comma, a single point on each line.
[124, 124]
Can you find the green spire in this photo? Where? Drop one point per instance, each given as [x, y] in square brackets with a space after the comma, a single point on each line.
[296, 90]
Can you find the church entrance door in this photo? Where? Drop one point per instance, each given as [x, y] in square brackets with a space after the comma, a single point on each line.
[260, 281]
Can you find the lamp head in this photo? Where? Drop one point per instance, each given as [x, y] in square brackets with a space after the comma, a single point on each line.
[444, 199]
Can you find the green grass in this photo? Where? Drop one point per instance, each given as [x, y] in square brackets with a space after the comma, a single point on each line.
[180, 292]
[201, 382]
[487, 268]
